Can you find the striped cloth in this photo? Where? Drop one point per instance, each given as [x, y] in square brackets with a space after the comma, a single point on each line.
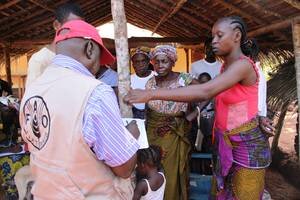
[103, 129]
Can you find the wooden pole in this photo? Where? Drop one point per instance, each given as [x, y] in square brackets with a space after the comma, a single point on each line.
[296, 41]
[121, 44]
[7, 64]
[274, 26]
[187, 59]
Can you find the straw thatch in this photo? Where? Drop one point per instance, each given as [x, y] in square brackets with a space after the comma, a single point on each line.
[24, 24]
[282, 85]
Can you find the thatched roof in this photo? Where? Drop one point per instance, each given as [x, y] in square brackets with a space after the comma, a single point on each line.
[27, 23]
[282, 86]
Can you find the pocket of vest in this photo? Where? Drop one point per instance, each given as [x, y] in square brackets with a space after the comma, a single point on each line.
[57, 184]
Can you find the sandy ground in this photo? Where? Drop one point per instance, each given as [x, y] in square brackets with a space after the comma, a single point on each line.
[278, 186]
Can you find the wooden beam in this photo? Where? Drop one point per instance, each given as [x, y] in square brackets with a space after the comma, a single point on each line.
[294, 3]
[168, 39]
[169, 13]
[5, 13]
[184, 15]
[174, 28]
[250, 17]
[24, 27]
[240, 12]
[273, 27]
[24, 19]
[262, 9]
[6, 52]
[9, 3]
[296, 41]
[132, 42]
[121, 43]
[41, 5]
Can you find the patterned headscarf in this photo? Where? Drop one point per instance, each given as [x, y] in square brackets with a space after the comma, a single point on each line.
[142, 50]
[167, 50]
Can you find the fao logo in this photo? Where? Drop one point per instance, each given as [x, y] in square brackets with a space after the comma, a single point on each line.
[37, 121]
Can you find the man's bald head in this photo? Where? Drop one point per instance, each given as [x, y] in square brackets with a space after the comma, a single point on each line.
[85, 51]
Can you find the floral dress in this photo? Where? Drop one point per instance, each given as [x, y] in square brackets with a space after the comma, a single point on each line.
[168, 129]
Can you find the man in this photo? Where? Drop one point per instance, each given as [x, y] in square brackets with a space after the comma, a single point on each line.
[41, 59]
[209, 64]
[71, 121]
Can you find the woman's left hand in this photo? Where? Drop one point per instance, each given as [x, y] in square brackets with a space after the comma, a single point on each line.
[266, 125]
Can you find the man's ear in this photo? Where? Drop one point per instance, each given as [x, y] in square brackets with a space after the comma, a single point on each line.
[89, 48]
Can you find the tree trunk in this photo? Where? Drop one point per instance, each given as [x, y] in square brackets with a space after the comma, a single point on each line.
[279, 126]
[296, 41]
[121, 44]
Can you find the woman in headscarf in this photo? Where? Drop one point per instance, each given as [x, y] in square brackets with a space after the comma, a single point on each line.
[140, 58]
[166, 124]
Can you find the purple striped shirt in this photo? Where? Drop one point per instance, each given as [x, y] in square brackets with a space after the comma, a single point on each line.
[103, 129]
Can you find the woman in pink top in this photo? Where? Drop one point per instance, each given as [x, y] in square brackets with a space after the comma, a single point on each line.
[242, 150]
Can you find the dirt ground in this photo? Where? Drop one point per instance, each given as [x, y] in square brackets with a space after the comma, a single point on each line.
[280, 186]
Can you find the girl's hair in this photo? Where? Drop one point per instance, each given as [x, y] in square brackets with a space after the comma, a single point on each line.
[151, 156]
[248, 46]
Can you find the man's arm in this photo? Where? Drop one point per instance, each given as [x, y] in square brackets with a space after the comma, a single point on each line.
[127, 168]
[105, 133]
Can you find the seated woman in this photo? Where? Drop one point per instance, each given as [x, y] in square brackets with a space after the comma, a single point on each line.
[166, 124]
[9, 112]
[11, 160]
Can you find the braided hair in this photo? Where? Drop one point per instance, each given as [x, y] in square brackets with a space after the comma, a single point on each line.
[150, 156]
[248, 46]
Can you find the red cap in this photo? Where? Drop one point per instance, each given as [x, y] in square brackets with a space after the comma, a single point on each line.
[81, 29]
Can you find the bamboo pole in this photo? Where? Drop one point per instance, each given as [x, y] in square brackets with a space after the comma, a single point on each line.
[121, 44]
[296, 41]
[7, 64]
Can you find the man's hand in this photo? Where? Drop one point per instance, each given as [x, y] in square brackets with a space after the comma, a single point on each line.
[266, 126]
[133, 129]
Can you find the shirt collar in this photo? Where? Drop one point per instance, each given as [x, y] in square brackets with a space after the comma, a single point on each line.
[71, 63]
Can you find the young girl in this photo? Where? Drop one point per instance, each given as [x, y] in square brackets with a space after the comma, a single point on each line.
[152, 186]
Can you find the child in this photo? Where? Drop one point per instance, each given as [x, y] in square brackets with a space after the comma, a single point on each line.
[152, 186]
[206, 111]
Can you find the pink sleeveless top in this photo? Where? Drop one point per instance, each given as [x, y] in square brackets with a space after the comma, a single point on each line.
[237, 104]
